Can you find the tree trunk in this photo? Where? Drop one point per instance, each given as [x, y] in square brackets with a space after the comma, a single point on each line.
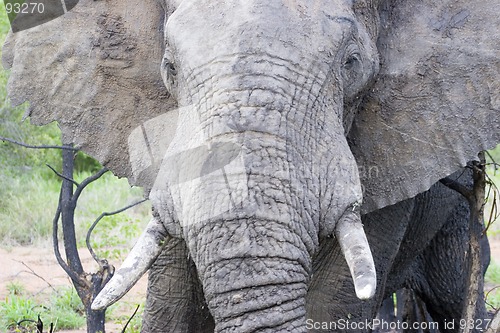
[475, 281]
[68, 207]
[87, 291]
[95, 320]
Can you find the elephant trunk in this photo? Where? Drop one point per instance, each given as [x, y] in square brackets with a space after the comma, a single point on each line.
[254, 272]
[278, 307]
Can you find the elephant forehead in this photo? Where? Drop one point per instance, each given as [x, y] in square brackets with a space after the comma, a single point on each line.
[256, 26]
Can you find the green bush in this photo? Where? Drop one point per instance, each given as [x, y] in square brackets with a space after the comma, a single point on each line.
[135, 324]
[64, 309]
[493, 155]
[493, 278]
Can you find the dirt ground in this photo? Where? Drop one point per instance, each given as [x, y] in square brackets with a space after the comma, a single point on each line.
[36, 268]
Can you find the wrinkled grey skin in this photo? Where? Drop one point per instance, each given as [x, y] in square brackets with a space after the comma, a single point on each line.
[235, 115]
[425, 253]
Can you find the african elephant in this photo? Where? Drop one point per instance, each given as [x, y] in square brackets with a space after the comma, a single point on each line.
[425, 251]
[259, 130]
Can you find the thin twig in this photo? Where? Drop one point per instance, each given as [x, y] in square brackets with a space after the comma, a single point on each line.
[86, 182]
[130, 319]
[39, 325]
[489, 155]
[494, 215]
[35, 274]
[62, 176]
[89, 232]
[25, 145]
[19, 323]
[488, 294]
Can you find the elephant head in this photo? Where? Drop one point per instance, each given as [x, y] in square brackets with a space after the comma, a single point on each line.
[259, 128]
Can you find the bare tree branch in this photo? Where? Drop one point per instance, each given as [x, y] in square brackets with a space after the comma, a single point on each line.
[91, 229]
[476, 201]
[25, 145]
[35, 274]
[87, 182]
[62, 176]
[130, 319]
[494, 207]
[74, 277]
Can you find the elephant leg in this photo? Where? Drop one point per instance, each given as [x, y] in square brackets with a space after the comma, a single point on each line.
[443, 272]
[175, 301]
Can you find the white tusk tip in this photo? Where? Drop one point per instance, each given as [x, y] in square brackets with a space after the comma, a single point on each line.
[98, 305]
[366, 292]
[102, 302]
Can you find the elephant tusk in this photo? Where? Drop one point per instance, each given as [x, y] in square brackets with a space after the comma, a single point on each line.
[352, 239]
[139, 260]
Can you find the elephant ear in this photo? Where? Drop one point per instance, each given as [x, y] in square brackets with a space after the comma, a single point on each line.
[436, 101]
[96, 70]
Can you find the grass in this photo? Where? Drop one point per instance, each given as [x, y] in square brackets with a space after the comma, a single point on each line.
[29, 202]
[127, 311]
[114, 235]
[493, 278]
[63, 308]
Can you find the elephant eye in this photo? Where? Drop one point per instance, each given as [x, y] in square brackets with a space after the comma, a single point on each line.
[352, 75]
[169, 73]
[351, 61]
[170, 68]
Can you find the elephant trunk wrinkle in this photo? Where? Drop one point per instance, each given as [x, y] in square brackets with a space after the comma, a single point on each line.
[260, 306]
[252, 269]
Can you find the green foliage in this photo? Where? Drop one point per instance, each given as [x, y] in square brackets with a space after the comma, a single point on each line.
[493, 274]
[28, 204]
[113, 234]
[67, 298]
[85, 163]
[493, 155]
[15, 288]
[15, 309]
[492, 278]
[64, 309]
[135, 324]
